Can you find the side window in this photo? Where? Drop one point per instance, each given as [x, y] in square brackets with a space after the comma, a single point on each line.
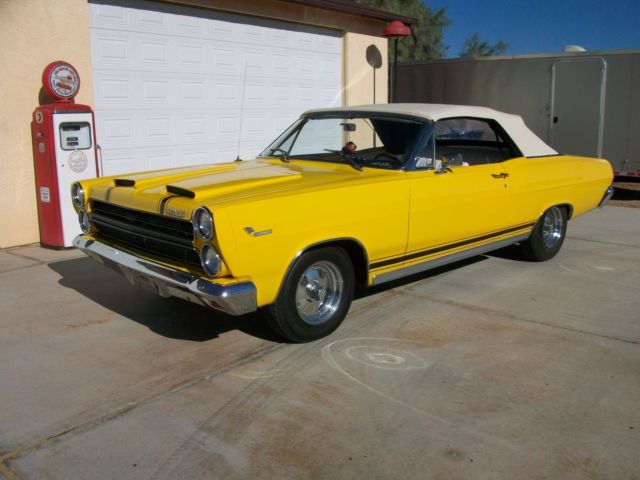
[462, 142]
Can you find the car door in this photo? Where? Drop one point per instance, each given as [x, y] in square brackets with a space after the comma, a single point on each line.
[450, 210]
[463, 200]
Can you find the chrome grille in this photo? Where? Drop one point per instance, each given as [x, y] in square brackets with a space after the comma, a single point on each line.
[159, 236]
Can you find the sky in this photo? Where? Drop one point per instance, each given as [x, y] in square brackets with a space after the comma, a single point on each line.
[541, 26]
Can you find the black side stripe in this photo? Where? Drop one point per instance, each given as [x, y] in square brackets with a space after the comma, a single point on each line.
[450, 246]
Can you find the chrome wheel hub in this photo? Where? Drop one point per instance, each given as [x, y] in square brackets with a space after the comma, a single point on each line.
[319, 292]
[552, 227]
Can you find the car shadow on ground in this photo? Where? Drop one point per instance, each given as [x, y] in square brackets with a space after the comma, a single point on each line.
[401, 282]
[181, 320]
[512, 252]
[627, 192]
[169, 317]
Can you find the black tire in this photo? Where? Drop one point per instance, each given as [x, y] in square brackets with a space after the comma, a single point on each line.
[547, 236]
[315, 296]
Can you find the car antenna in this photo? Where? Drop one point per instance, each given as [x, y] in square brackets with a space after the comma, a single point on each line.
[244, 86]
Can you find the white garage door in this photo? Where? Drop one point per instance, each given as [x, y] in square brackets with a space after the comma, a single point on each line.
[178, 86]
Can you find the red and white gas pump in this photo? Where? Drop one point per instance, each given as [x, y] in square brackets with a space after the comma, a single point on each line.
[64, 146]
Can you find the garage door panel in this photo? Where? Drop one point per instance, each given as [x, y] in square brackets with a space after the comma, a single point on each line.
[329, 66]
[116, 90]
[116, 130]
[152, 21]
[150, 91]
[110, 16]
[151, 52]
[181, 128]
[226, 126]
[227, 91]
[110, 49]
[135, 90]
[171, 82]
[152, 158]
[223, 56]
[191, 55]
[280, 62]
[155, 90]
[144, 52]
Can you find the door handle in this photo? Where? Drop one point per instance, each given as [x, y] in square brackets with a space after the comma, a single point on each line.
[500, 175]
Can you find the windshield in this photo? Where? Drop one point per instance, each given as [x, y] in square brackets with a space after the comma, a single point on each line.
[359, 140]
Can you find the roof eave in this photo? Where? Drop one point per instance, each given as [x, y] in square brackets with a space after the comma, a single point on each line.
[349, 6]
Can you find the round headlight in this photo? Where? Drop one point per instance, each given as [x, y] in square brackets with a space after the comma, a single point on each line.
[203, 223]
[84, 220]
[211, 261]
[77, 195]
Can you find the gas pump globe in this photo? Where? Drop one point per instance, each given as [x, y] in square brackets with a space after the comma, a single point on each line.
[64, 146]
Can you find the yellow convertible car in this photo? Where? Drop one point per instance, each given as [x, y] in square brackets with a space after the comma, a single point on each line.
[344, 197]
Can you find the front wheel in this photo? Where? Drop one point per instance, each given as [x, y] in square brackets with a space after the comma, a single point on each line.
[547, 236]
[315, 296]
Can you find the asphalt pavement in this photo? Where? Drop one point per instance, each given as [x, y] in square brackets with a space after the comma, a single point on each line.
[491, 368]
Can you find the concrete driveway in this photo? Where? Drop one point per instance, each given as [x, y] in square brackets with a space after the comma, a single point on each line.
[492, 368]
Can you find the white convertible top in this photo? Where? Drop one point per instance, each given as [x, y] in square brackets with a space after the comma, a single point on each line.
[529, 144]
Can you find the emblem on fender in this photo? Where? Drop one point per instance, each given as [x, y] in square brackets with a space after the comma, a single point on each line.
[253, 233]
[174, 212]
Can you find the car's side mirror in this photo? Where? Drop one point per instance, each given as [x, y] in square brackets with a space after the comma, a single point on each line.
[440, 171]
[442, 167]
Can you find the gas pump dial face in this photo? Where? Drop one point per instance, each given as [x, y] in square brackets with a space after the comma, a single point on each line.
[61, 81]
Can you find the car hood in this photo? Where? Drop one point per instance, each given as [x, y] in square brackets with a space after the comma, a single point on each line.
[224, 183]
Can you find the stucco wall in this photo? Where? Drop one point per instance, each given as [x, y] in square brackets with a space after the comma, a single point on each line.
[33, 33]
[36, 32]
[359, 74]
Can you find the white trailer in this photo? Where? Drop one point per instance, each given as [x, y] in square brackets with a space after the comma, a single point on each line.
[582, 103]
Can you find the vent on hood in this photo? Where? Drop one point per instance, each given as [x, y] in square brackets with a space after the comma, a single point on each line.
[183, 192]
[124, 182]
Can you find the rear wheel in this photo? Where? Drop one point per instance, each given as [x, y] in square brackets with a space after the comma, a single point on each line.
[315, 297]
[547, 236]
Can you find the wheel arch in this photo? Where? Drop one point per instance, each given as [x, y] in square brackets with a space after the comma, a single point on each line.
[351, 246]
[568, 207]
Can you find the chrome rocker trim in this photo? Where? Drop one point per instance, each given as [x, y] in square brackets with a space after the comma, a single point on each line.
[234, 299]
[607, 196]
[439, 262]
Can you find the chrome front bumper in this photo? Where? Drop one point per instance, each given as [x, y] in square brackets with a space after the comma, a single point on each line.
[607, 196]
[234, 299]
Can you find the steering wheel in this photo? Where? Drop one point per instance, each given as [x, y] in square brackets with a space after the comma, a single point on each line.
[387, 157]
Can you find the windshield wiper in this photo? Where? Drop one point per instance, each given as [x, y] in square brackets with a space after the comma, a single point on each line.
[355, 162]
[284, 157]
[351, 159]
